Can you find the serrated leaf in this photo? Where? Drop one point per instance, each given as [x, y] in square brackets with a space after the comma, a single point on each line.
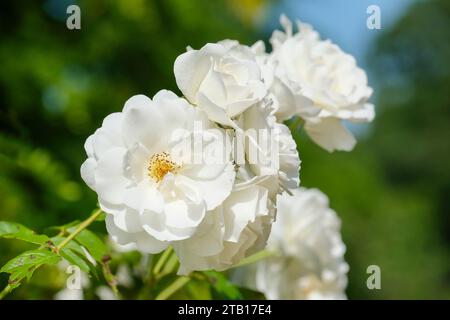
[24, 265]
[222, 288]
[74, 254]
[93, 244]
[71, 244]
[73, 258]
[12, 230]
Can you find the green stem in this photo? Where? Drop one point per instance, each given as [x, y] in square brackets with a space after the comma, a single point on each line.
[172, 288]
[170, 264]
[200, 276]
[5, 291]
[162, 260]
[83, 225]
[149, 269]
[148, 278]
[263, 254]
[109, 277]
[168, 267]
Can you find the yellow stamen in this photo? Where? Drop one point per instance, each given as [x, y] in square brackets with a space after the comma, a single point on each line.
[161, 164]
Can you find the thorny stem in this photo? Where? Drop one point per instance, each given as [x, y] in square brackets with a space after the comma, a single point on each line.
[83, 225]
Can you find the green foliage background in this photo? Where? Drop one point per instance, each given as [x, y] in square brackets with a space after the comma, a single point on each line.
[392, 192]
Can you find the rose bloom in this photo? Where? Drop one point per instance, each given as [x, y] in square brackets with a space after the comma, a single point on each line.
[235, 230]
[223, 79]
[272, 159]
[288, 97]
[153, 196]
[309, 261]
[304, 66]
[227, 81]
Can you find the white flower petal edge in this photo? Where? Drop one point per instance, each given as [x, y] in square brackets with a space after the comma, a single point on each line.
[330, 134]
[321, 72]
[152, 195]
[310, 261]
[287, 94]
[231, 232]
[223, 79]
[278, 161]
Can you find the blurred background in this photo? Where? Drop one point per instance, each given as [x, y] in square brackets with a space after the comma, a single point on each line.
[392, 192]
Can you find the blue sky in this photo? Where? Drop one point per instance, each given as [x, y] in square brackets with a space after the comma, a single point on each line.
[342, 21]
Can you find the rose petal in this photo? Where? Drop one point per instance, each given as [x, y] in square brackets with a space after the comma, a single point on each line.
[330, 134]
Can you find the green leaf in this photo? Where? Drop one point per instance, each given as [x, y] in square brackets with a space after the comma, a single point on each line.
[222, 288]
[24, 265]
[196, 290]
[71, 244]
[93, 244]
[249, 294]
[73, 258]
[12, 230]
[75, 255]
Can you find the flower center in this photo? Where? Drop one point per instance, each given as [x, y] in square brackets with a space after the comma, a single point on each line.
[160, 164]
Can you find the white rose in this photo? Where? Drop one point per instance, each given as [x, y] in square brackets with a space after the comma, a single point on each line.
[154, 196]
[272, 159]
[231, 232]
[222, 78]
[321, 72]
[310, 261]
[287, 94]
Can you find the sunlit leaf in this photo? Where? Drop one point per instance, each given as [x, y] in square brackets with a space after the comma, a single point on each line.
[24, 265]
[73, 258]
[93, 244]
[12, 230]
[73, 253]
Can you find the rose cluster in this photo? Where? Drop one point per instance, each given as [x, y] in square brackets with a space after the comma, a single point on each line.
[309, 253]
[203, 173]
